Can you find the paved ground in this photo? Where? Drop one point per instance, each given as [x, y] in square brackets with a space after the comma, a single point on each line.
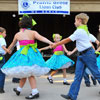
[50, 91]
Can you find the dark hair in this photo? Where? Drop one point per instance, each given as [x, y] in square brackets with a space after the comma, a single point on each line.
[25, 22]
[2, 29]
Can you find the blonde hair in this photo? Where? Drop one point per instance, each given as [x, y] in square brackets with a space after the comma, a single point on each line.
[53, 36]
[84, 17]
[2, 29]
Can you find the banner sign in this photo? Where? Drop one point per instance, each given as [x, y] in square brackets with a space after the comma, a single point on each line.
[44, 7]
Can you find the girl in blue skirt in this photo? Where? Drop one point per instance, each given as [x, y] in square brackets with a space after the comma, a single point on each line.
[58, 60]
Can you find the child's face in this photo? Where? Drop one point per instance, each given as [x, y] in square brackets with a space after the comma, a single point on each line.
[77, 22]
[4, 34]
[57, 38]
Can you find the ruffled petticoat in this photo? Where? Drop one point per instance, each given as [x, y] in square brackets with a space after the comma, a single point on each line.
[20, 65]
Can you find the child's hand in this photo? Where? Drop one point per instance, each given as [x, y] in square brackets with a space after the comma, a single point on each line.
[53, 45]
[40, 50]
[69, 53]
[8, 51]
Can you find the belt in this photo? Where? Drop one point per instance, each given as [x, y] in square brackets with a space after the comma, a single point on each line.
[80, 53]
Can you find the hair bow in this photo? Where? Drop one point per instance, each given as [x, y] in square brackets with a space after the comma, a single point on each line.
[53, 36]
[33, 21]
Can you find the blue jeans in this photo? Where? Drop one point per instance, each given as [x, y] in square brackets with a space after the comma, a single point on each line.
[2, 75]
[87, 79]
[88, 59]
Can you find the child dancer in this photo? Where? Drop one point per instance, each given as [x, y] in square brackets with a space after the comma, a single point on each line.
[3, 51]
[27, 62]
[86, 54]
[58, 60]
[86, 74]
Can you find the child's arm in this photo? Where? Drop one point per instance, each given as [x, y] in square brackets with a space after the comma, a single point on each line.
[64, 41]
[92, 45]
[13, 43]
[98, 43]
[45, 48]
[70, 53]
[97, 51]
[65, 49]
[7, 50]
[41, 38]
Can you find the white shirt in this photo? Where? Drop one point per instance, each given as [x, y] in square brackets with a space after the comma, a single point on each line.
[2, 43]
[82, 40]
[92, 38]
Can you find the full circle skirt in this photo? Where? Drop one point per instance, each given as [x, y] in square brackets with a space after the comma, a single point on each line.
[20, 65]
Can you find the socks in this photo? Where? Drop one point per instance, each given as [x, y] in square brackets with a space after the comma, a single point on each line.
[19, 89]
[50, 77]
[34, 91]
[65, 80]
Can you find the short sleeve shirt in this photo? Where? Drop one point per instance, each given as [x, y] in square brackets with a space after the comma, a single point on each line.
[92, 38]
[2, 43]
[82, 40]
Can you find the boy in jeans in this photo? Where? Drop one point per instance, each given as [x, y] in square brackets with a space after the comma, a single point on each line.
[3, 51]
[86, 54]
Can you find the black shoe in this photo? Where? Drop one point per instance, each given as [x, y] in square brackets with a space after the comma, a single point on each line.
[16, 91]
[2, 90]
[50, 80]
[66, 97]
[87, 85]
[32, 96]
[15, 81]
[66, 83]
[94, 81]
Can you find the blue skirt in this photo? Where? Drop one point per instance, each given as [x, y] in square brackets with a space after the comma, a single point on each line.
[98, 62]
[59, 62]
[21, 66]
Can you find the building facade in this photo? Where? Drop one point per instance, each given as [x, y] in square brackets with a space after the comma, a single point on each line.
[76, 5]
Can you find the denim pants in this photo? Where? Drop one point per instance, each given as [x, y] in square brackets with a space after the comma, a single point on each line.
[87, 79]
[2, 75]
[88, 59]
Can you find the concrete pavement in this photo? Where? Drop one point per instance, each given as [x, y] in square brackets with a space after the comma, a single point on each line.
[50, 91]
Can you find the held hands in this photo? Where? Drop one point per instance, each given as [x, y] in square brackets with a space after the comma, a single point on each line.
[53, 45]
[8, 51]
[69, 53]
